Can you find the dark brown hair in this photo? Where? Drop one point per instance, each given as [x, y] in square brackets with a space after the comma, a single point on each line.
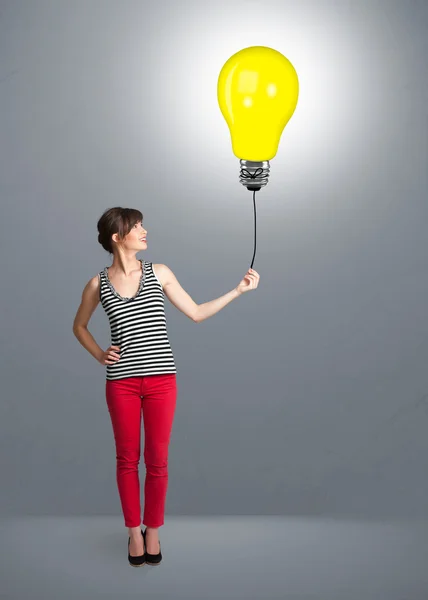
[116, 220]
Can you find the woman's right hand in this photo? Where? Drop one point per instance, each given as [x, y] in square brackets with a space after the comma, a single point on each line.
[110, 356]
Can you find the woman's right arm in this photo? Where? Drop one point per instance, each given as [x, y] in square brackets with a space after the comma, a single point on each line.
[90, 301]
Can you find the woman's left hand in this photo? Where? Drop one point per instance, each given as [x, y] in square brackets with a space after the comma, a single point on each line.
[250, 282]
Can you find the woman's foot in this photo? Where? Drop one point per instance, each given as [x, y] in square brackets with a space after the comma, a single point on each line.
[136, 544]
[152, 540]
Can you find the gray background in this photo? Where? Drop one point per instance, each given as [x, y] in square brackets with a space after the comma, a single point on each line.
[306, 396]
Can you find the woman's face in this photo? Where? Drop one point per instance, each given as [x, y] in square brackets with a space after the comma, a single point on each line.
[134, 240]
[136, 235]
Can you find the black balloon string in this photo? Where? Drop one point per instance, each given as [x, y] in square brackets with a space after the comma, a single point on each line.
[254, 203]
[245, 174]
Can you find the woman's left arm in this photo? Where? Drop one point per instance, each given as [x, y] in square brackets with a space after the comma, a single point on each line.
[199, 312]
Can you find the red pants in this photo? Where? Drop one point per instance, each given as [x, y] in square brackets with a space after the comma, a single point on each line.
[156, 396]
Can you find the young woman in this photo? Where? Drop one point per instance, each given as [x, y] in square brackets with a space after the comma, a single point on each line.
[140, 367]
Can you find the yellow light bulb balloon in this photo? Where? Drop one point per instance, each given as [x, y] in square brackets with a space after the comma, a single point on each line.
[257, 92]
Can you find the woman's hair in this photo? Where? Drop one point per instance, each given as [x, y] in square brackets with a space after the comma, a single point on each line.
[116, 220]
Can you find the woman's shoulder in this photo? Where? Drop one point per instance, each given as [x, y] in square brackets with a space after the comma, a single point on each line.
[159, 272]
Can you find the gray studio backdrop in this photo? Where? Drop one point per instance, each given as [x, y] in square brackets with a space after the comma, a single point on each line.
[306, 396]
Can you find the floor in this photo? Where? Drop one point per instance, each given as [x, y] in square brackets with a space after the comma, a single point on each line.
[247, 557]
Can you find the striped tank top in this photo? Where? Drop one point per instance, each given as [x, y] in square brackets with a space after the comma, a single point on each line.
[138, 327]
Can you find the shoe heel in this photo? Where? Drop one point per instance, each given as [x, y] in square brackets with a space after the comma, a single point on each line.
[152, 559]
[137, 561]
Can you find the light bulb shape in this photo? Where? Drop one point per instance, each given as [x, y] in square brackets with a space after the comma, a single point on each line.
[257, 91]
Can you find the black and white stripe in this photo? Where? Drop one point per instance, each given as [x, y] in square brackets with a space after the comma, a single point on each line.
[138, 326]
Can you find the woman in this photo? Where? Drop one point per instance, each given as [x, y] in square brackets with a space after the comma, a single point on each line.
[140, 367]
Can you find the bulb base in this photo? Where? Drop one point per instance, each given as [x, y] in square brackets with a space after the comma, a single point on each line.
[254, 174]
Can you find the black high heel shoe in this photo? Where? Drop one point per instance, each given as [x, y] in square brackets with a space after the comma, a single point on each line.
[152, 559]
[137, 561]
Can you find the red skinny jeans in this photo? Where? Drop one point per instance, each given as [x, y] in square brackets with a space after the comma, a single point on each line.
[154, 396]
